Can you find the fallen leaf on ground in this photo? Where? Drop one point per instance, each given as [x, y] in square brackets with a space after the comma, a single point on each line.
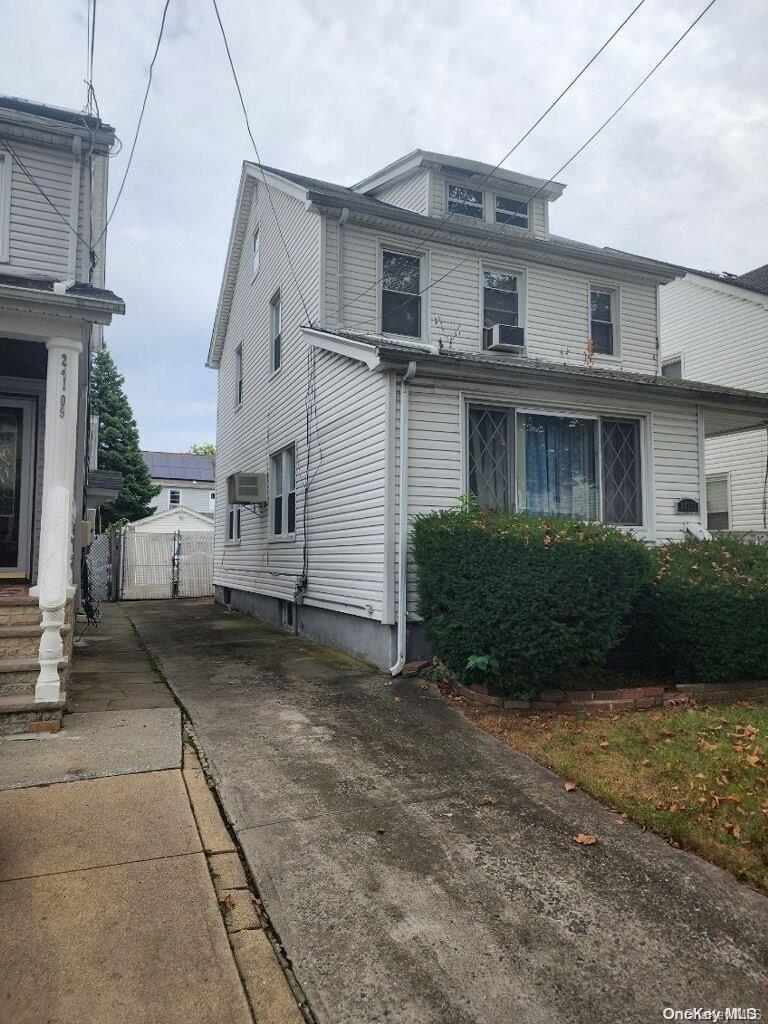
[604, 743]
[488, 800]
[570, 786]
[398, 698]
[645, 762]
[585, 839]
[381, 831]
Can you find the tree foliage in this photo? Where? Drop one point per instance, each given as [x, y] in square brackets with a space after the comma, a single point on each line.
[119, 443]
[206, 448]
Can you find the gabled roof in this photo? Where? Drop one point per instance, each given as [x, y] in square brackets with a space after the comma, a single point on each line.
[753, 281]
[170, 512]
[180, 466]
[472, 170]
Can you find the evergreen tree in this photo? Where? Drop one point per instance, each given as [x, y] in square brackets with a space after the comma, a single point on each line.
[119, 443]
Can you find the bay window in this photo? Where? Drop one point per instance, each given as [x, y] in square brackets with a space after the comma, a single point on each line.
[583, 466]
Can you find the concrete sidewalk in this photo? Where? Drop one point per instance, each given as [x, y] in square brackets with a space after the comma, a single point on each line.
[122, 896]
[400, 893]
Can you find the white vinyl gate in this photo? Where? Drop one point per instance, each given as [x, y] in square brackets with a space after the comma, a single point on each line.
[165, 565]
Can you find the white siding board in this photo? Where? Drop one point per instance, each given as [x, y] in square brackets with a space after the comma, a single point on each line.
[411, 193]
[723, 338]
[39, 240]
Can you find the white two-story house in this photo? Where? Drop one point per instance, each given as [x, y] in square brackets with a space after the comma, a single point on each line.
[714, 327]
[53, 306]
[385, 348]
[185, 481]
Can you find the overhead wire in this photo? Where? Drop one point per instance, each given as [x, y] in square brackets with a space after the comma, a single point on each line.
[259, 163]
[500, 227]
[450, 214]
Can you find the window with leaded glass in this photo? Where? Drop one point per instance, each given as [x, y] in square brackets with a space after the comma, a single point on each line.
[602, 315]
[489, 457]
[511, 211]
[501, 302]
[466, 201]
[400, 295]
[622, 489]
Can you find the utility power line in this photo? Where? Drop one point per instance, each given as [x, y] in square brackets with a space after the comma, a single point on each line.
[259, 164]
[140, 120]
[499, 227]
[451, 214]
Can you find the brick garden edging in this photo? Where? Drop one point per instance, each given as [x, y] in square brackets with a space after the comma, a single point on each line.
[637, 698]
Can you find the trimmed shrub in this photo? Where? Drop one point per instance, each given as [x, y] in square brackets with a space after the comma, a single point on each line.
[519, 601]
[704, 616]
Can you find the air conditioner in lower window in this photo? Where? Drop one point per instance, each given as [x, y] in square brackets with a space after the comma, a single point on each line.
[247, 489]
[505, 338]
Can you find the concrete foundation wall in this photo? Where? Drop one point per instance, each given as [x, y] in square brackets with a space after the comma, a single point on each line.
[372, 641]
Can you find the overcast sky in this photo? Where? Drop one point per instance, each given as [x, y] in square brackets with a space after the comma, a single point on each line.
[338, 88]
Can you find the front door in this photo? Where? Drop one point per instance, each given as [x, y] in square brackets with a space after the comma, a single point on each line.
[16, 474]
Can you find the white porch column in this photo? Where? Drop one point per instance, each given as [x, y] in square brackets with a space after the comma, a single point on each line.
[54, 573]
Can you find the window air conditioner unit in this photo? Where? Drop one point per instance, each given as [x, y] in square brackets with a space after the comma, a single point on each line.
[248, 489]
[505, 338]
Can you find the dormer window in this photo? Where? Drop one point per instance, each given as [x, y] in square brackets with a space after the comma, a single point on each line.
[511, 211]
[466, 201]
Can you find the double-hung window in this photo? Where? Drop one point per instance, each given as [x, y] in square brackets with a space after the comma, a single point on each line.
[400, 294]
[239, 375]
[501, 305]
[466, 201]
[718, 506]
[283, 488]
[256, 252]
[233, 523]
[511, 211]
[587, 467]
[275, 332]
[174, 498]
[602, 319]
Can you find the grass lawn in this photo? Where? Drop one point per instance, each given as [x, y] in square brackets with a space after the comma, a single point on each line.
[698, 776]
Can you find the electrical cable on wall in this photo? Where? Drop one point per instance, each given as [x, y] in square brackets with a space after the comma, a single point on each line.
[499, 227]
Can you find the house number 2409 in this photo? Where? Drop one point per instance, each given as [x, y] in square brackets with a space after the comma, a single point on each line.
[63, 396]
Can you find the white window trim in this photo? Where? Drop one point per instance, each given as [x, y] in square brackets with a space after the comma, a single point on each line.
[528, 229]
[255, 235]
[234, 539]
[615, 290]
[725, 475]
[239, 377]
[647, 529]
[6, 162]
[522, 301]
[424, 264]
[483, 201]
[282, 538]
[276, 302]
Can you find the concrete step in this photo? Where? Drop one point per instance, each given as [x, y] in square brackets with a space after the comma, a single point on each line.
[19, 611]
[22, 639]
[19, 675]
[21, 713]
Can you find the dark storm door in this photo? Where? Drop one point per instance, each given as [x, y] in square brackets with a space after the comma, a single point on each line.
[16, 474]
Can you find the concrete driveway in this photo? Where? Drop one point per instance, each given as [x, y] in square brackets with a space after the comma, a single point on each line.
[399, 895]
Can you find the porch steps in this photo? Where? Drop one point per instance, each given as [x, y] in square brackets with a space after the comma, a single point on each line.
[18, 610]
[19, 675]
[21, 714]
[22, 639]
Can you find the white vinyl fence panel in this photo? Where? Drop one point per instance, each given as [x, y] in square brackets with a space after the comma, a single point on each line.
[166, 565]
[195, 564]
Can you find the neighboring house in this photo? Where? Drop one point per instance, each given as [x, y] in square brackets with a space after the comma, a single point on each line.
[714, 327]
[53, 305]
[417, 360]
[184, 479]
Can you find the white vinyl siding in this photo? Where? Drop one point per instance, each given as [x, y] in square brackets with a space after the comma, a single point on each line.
[556, 301]
[411, 193]
[6, 172]
[195, 496]
[722, 333]
[537, 213]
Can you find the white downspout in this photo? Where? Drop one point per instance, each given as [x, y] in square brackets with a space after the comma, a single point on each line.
[340, 266]
[402, 557]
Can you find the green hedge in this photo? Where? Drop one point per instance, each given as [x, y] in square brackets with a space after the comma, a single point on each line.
[704, 616]
[518, 601]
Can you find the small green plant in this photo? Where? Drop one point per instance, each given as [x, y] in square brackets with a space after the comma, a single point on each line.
[481, 668]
